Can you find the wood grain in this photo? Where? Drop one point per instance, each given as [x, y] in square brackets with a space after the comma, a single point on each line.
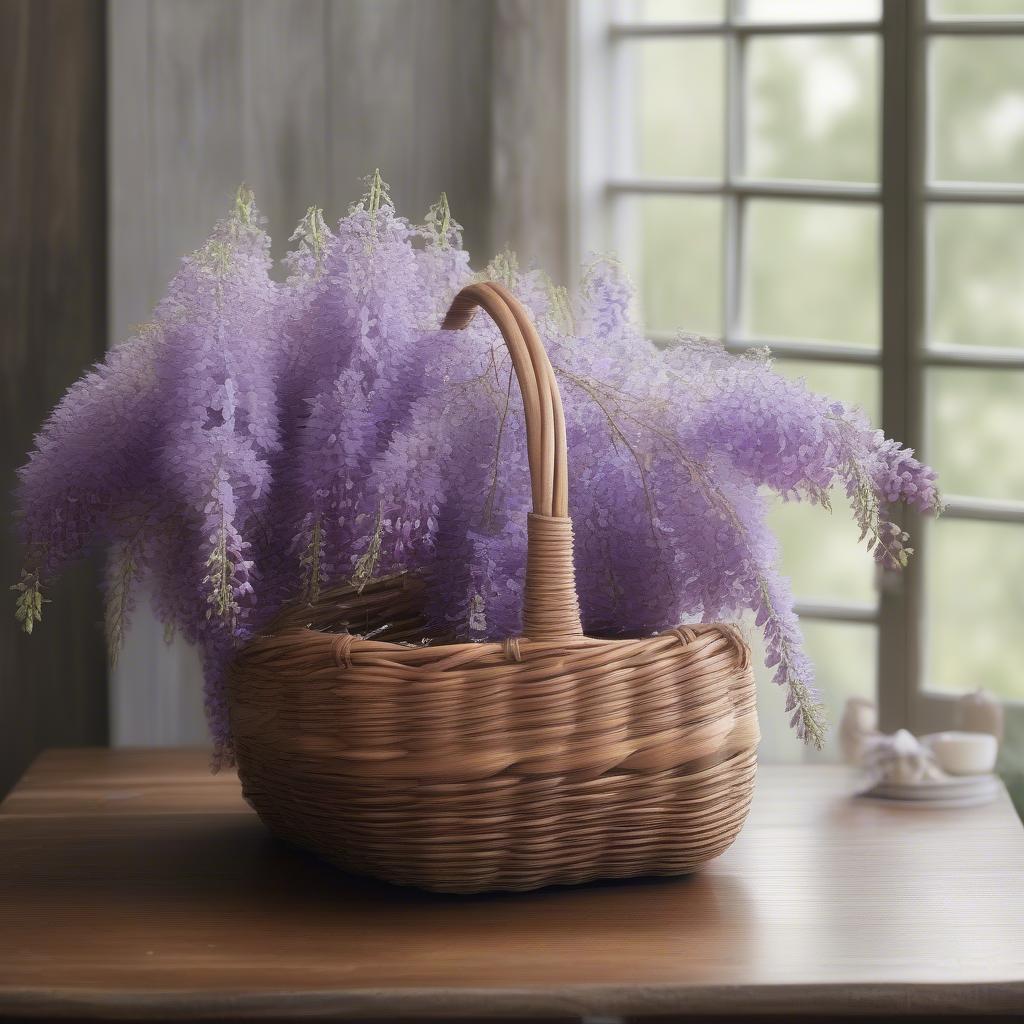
[134, 884]
[531, 100]
[409, 92]
[52, 326]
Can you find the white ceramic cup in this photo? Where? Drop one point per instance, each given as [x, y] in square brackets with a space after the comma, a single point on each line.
[963, 753]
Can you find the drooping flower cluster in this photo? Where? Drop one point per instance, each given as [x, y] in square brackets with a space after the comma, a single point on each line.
[669, 453]
[259, 441]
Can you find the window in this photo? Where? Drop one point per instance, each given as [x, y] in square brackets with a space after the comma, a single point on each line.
[842, 181]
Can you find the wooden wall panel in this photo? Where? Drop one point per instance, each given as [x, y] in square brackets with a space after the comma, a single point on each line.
[410, 92]
[284, 110]
[52, 326]
[300, 100]
[531, 132]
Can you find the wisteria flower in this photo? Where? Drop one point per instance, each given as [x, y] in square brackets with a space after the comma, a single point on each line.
[258, 441]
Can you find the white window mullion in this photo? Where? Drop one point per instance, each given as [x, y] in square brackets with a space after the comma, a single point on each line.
[591, 91]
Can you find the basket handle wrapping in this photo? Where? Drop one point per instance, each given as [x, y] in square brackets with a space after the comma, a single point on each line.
[550, 603]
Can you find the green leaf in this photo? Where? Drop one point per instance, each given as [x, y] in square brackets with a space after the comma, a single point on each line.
[28, 606]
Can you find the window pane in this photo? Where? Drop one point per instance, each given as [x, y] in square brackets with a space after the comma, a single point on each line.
[812, 10]
[844, 656]
[821, 553]
[976, 8]
[671, 10]
[679, 107]
[812, 108]
[811, 271]
[975, 427]
[673, 248]
[856, 385]
[977, 121]
[977, 275]
[975, 607]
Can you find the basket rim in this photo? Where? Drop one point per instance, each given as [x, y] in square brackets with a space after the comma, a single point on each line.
[411, 582]
[303, 642]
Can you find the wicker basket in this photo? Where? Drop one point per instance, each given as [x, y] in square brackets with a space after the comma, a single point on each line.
[462, 767]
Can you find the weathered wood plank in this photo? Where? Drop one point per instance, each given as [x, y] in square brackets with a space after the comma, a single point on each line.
[133, 288]
[300, 100]
[198, 61]
[206, 96]
[284, 110]
[176, 162]
[409, 92]
[530, 109]
[53, 325]
[155, 694]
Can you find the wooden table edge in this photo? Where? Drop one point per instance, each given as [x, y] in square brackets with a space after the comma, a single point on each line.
[841, 998]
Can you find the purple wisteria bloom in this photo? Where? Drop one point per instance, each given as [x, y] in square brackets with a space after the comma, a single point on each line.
[259, 441]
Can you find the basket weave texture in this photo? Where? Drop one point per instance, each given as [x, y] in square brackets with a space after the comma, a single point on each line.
[462, 767]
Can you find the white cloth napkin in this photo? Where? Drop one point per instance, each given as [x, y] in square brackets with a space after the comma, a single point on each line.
[900, 758]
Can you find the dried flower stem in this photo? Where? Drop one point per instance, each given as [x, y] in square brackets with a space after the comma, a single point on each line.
[367, 563]
[311, 560]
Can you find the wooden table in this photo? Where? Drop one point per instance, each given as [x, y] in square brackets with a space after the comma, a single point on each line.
[132, 883]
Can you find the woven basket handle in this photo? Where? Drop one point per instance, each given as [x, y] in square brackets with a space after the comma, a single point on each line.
[550, 603]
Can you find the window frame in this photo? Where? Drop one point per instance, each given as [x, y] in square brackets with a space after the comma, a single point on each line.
[902, 195]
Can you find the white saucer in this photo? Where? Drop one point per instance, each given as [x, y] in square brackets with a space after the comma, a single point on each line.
[958, 791]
